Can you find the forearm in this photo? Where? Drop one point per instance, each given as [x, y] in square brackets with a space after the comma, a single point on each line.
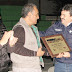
[21, 50]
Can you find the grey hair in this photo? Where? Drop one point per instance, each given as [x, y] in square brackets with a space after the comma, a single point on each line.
[27, 8]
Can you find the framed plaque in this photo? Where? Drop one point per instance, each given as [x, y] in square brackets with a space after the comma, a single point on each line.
[55, 44]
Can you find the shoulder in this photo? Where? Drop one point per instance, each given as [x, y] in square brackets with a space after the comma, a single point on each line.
[57, 24]
[19, 30]
[19, 27]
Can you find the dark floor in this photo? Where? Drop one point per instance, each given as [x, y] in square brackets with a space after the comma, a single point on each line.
[48, 62]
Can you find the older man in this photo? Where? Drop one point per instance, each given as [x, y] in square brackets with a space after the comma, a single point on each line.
[25, 54]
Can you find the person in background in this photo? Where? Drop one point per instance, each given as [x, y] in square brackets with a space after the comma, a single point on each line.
[26, 52]
[4, 60]
[63, 62]
[7, 36]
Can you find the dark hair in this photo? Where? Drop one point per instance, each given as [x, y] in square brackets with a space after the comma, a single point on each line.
[27, 8]
[68, 7]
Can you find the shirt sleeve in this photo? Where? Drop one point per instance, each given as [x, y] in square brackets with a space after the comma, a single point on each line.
[19, 48]
[46, 51]
[70, 54]
[48, 31]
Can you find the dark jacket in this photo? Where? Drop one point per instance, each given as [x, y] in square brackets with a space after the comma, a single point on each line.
[59, 28]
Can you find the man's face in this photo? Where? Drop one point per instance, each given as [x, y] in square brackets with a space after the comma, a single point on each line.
[34, 16]
[65, 17]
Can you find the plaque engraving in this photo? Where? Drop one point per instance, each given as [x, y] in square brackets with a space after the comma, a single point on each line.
[55, 44]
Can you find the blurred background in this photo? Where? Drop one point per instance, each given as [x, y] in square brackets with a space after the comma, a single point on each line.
[49, 12]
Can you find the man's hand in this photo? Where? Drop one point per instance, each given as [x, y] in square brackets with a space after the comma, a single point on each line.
[40, 52]
[12, 41]
[66, 54]
[60, 55]
[5, 37]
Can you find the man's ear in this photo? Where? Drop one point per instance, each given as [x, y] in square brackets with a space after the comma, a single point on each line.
[29, 14]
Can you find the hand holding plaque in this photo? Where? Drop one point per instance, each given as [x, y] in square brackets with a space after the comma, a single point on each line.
[55, 44]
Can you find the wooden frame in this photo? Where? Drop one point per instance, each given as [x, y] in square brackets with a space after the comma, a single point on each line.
[55, 44]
